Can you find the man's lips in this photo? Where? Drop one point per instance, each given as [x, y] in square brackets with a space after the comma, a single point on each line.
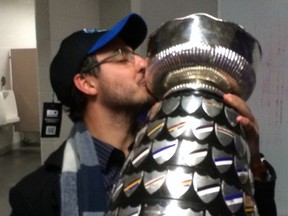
[143, 82]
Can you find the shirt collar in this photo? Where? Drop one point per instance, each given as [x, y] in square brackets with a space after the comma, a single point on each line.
[108, 154]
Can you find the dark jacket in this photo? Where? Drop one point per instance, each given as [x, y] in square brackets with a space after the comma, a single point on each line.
[38, 193]
[265, 193]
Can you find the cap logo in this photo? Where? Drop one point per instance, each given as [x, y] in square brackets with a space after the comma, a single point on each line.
[92, 30]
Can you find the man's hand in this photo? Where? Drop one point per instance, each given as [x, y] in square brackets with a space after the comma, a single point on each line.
[250, 125]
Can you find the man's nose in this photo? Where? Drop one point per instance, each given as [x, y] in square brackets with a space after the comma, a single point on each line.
[141, 62]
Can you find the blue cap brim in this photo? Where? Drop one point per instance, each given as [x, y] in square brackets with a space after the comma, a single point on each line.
[131, 29]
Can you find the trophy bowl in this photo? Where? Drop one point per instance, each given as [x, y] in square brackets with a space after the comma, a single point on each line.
[202, 52]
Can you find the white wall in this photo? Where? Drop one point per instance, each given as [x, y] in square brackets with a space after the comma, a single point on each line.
[267, 21]
[17, 21]
[17, 24]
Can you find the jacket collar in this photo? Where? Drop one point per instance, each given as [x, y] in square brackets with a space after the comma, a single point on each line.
[56, 158]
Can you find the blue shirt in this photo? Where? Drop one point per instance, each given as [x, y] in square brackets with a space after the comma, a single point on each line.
[111, 161]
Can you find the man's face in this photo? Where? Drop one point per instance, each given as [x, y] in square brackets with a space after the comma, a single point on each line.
[121, 79]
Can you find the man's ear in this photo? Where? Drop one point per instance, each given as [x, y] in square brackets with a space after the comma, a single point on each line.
[85, 83]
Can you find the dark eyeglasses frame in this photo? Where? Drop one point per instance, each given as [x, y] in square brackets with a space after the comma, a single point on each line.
[128, 55]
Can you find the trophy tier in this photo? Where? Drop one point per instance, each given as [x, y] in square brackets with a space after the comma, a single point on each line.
[201, 52]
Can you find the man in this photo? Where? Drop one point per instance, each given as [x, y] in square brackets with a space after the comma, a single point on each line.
[100, 81]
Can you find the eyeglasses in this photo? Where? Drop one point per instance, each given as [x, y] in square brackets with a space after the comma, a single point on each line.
[119, 55]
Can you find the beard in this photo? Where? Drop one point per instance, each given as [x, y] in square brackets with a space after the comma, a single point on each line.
[121, 98]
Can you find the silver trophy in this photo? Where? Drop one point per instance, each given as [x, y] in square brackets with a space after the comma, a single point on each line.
[192, 157]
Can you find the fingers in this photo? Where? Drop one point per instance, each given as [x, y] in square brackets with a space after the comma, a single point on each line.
[239, 104]
[245, 118]
[250, 127]
[248, 121]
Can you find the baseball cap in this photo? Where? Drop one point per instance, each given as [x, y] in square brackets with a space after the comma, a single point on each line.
[131, 29]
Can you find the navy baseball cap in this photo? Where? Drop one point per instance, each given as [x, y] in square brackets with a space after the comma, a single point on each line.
[131, 29]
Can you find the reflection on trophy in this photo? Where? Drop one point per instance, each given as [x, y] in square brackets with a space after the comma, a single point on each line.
[192, 157]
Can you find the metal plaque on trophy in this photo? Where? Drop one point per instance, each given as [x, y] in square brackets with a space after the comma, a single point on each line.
[192, 157]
